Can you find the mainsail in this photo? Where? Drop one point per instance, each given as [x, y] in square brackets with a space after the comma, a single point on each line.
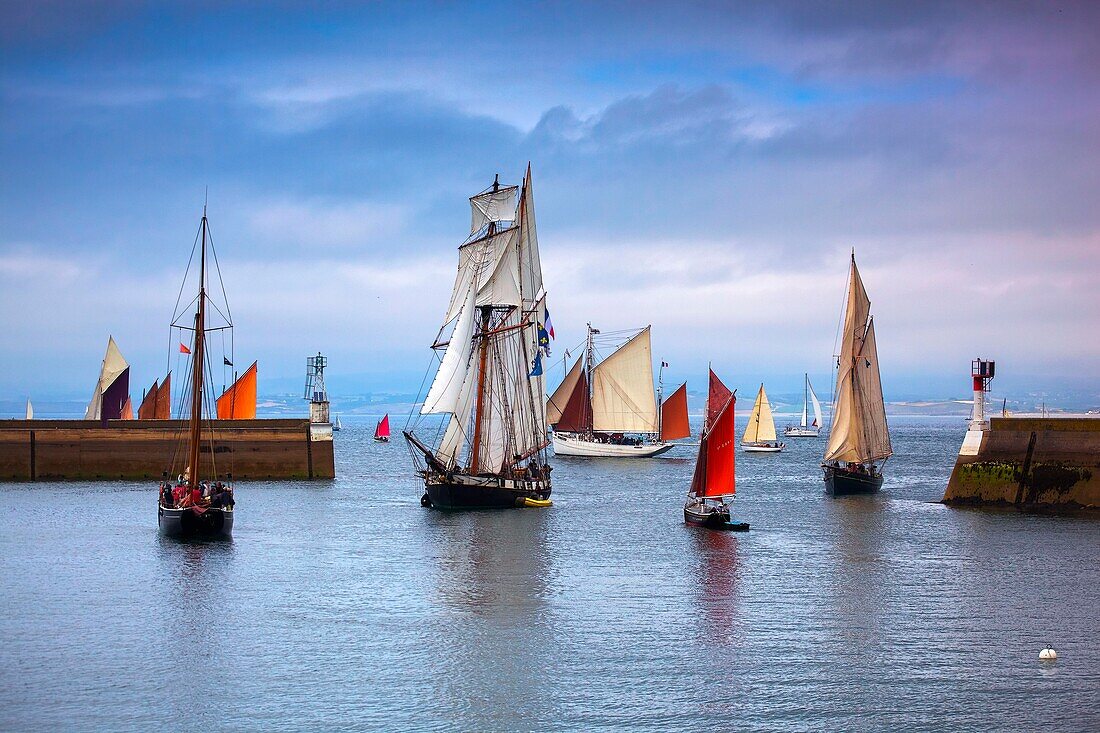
[113, 387]
[859, 432]
[622, 389]
[715, 468]
[487, 381]
[239, 401]
[809, 397]
[761, 427]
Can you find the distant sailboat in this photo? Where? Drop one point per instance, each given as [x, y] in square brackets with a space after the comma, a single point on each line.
[382, 430]
[804, 430]
[489, 383]
[715, 480]
[30, 410]
[239, 401]
[157, 403]
[760, 432]
[112, 390]
[337, 425]
[609, 410]
[859, 435]
[194, 506]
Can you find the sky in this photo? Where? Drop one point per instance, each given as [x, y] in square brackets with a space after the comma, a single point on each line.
[706, 168]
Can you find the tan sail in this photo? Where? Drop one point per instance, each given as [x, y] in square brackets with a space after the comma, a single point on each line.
[761, 427]
[113, 366]
[622, 389]
[859, 432]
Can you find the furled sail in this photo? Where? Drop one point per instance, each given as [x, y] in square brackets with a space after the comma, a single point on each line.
[488, 206]
[114, 375]
[859, 432]
[239, 401]
[761, 427]
[622, 389]
[715, 468]
[555, 406]
[674, 415]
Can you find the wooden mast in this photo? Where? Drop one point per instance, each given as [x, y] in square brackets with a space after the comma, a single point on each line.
[197, 361]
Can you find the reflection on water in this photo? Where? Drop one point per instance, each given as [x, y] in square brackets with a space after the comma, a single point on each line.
[345, 605]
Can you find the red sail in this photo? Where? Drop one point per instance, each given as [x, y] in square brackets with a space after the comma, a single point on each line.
[674, 415]
[164, 399]
[577, 415]
[383, 429]
[716, 399]
[239, 401]
[715, 467]
[148, 408]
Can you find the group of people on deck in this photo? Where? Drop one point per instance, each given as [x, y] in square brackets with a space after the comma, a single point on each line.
[205, 494]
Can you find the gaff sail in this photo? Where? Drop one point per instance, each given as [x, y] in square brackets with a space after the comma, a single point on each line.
[715, 468]
[382, 430]
[239, 401]
[674, 415]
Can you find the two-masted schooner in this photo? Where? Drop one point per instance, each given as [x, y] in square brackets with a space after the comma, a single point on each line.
[197, 503]
[806, 429]
[608, 409]
[859, 440]
[714, 482]
[759, 434]
[490, 450]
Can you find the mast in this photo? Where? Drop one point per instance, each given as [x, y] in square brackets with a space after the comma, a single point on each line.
[479, 407]
[588, 359]
[197, 360]
[660, 396]
[805, 398]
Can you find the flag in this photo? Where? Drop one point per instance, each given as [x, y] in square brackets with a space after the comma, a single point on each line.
[536, 370]
[184, 349]
[544, 340]
[225, 360]
[549, 325]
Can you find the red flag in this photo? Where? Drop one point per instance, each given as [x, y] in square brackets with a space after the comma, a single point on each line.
[184, 349]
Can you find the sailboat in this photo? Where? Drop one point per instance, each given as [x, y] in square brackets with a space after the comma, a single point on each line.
[759, 434]
[715, 480]
[489, 385]
[337, 425]
[382, 430]
[804, 430]
[194, 506]
[30, 410]
[608, 409]
[859, 436]
[112, 390]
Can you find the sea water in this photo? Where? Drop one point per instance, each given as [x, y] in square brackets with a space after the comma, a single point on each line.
[345, 605]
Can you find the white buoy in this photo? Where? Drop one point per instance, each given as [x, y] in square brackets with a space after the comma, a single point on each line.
[1048, 654]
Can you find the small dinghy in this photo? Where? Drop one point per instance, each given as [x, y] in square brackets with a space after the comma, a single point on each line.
[715, 481]
[760, 432]
[382, 430]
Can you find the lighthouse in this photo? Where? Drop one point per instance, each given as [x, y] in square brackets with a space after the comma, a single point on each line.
[320, 428]
[981, 373]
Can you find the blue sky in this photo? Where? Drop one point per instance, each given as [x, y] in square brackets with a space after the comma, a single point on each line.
[702, 167]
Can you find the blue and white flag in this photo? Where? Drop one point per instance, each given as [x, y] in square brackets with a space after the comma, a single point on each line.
[536, 370]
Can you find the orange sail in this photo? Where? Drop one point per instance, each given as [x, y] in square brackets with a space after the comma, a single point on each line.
[674, 415]
[239, 401]
[715, 469]
[147, 410]
[163, 409]
[127, 410]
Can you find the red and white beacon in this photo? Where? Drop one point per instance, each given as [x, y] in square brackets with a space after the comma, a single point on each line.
[982, 371]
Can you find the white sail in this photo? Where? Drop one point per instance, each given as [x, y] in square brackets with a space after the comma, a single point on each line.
[622, 389]
[859, 432]
[805, 405]
[30, 410]
[492, 263]
[761, 427]
[530, 267]
[816, 404]
[499, 205]
[113, 365]
[444, 394]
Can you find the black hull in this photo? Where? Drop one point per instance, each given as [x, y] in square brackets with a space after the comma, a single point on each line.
[452, 495]
[841, 482]
[716, 518]
[214, 523]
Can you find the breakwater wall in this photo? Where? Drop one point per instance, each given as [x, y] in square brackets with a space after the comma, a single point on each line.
[1029, 462]
[35, 450]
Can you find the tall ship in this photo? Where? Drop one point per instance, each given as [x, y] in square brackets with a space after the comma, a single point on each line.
[198, 503]
[607, 408]
[859, 439]
[806, 429]
[759, 434]
[489, 449]
[714, 483]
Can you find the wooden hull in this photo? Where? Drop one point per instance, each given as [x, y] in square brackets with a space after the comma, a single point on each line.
[571, 445]
[214, 523]
[840, 481]
[711, 517]
[459, 491]
[763, 447]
